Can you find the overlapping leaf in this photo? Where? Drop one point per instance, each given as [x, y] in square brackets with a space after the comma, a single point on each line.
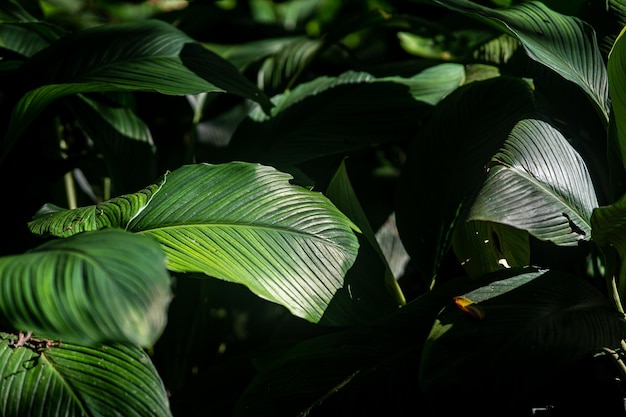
[617, 81]
[565, 44]
[86, 290]
[146, 56]
[609, 233]
[484, 247]
[331, 115]
[537, 182]
[72, 380]
[532, 325]
[240, 222]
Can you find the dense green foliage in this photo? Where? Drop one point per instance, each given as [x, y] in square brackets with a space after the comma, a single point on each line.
[290, 208]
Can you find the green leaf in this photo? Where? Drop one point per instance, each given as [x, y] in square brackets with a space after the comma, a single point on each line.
[537, 182]
[11, 11]
[73, 380]
[321, 369]
[565, 44]
[617, 81]
[86, 290]
[145, 56]
[534, 325]
[239, 222]
[484, 247]
[332, 115]
[370, 289]
[28, 38]
[446, 163]
[608, 226]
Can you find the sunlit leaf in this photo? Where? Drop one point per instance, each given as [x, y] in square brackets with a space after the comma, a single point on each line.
[537, 182]
[331, 115]
[86, 290]
[565, 44]
[239, 222]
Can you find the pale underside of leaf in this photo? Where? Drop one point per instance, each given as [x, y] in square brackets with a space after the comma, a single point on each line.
[540, 184]
[565, 44]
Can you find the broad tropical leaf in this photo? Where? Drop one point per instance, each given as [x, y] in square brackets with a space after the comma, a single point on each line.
[537, 182]
[28, 38]
[332, 115]
[86, 290]
[617, 83]
[532, 325]
[446, 164]
[565, 44]
[240, 222]
[146, 56]
[12, 11]
[65, 379]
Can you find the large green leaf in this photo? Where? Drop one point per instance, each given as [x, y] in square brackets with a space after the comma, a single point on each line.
[99, 286]
[146, 56]
[74, 381]
[446, 164]
[122, 138]
[617, 88]
[27, 38]
[538, 182]
[484, 247]
[370, 289]
[532, 326]
[565, 44]
[240, 222]
[331, 115]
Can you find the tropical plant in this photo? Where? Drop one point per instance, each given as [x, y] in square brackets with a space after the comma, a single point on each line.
[312, 208]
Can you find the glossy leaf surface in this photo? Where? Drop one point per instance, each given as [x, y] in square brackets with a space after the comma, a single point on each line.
[537, 182]
[239, 222]
[71, 380]
[85, 290]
